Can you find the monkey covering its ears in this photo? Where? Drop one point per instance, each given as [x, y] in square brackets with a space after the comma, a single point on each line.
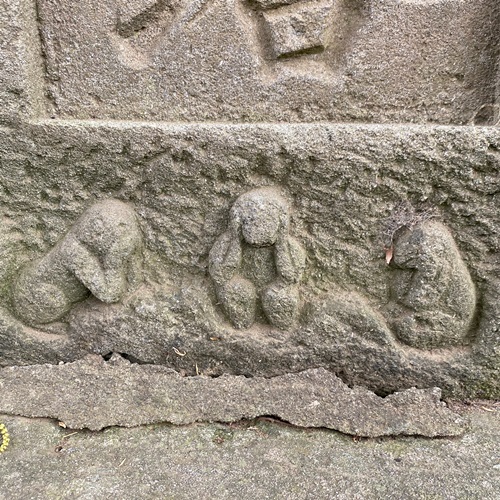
[258, 218]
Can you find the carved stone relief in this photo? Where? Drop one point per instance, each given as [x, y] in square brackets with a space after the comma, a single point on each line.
[259, 223]
[226, 214]
[267, 60]
[140, 27]
[434, 296]
[301, 28]
[100, 255]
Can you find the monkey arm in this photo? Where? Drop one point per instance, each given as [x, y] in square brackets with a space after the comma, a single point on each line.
[106, 283]
[225, 258]
[428, 283]
[134, 273]
[290, 259]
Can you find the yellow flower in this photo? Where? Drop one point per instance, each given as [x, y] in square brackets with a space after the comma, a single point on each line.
[5, 438]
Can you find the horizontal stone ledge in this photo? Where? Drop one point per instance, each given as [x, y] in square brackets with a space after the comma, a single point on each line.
[182, 125]
[92, 393]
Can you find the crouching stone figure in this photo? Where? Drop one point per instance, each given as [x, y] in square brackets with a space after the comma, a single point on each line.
[256, 258]
[100, 255]
[433, 293]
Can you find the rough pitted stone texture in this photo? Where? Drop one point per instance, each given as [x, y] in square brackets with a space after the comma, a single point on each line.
[21, 63]
[263, 250]
[377, 60]
[253, 460]
[94, 394]
[341, 183]
[293, 29]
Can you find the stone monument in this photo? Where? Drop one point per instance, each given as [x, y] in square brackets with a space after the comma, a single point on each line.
[254, 188]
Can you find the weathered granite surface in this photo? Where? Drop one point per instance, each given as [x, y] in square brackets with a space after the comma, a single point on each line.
[238, 60]
[22, 78]
[288, 243]
[253, 460]
[235, 60]
[372, 323]
[94, 394]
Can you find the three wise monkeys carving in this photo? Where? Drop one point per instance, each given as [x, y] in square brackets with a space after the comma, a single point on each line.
[256, 266]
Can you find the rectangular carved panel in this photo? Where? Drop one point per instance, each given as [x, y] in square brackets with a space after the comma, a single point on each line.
[371, 251]
[337, 60]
